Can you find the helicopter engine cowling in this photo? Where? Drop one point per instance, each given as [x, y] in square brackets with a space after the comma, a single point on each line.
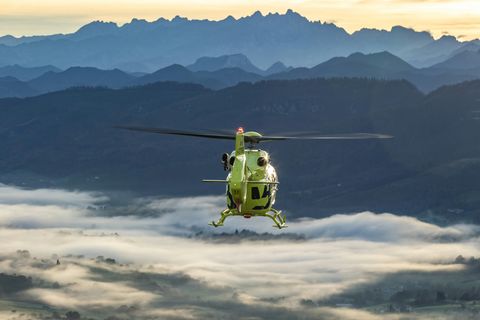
[262, 161]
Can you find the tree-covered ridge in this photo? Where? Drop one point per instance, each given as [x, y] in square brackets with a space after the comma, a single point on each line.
[429, 169]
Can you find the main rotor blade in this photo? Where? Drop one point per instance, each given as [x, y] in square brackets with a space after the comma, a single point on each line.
[257, 139]
[179, 132]
[346, 136]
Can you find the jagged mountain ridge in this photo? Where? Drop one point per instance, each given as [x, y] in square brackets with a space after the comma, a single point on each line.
[265, 39]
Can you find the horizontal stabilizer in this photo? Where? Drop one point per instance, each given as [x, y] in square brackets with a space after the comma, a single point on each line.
[210, 180]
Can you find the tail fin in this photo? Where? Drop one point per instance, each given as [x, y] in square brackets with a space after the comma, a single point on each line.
[239, 142]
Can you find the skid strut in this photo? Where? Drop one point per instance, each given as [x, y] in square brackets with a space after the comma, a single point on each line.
[276, 216]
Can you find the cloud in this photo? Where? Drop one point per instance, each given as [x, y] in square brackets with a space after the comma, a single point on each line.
[14, 195]
[354, 314]
[381, 227]
[339, 253]
[45, 208]
[93, 294]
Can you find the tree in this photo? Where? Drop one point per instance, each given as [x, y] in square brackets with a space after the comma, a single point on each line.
[441, 297]
[72, 315]
[460, 259]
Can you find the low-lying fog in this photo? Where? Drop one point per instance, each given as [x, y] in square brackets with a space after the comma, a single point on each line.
[168, 263]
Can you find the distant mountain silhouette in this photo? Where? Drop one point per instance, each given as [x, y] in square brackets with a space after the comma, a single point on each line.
[226, 61]
[25, 73]
[239, 61]
[174, 72]
[93, 77]
[429, 170]
[469, 46]
[9, 40]
[465, 61]
[95, 29]
[361, 65]
[399, 40]
[12, 87]
[277, 67]
[433, 52]
[81, 76]
[147, 46]
[383, 65]
[211, 79]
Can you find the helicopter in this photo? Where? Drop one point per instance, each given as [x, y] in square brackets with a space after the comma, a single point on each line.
[252, 182]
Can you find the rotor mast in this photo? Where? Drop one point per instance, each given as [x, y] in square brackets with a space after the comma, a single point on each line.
[238, 178]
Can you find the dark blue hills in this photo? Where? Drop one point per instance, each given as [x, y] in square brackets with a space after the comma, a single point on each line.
[226, 61]
[81, 76]
[93, 77]
[24, 73]
[429, 170]
[62, 94]
[225, 71]
[462, 61]
[383, 65]
[12, 87]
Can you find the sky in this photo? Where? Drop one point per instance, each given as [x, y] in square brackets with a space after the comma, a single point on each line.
[460, 18]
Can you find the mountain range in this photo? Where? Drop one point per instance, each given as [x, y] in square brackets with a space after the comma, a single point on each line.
[430, 169]
[92, 77]
[384, 65]
[25, 74]
[225, 71]
[291, 38]
[235, 61]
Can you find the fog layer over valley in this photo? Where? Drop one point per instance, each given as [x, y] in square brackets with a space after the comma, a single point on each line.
[64, 251]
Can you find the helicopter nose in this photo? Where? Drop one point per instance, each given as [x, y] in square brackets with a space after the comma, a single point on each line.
[236, 190]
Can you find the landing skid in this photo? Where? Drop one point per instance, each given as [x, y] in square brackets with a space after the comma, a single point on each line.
[276, 216]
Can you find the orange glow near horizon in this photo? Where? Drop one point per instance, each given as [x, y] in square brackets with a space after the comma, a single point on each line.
[460, 18]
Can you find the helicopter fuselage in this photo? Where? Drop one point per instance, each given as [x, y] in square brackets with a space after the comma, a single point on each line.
[252, 182]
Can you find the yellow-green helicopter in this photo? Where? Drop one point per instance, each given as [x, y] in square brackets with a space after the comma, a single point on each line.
[252, 182]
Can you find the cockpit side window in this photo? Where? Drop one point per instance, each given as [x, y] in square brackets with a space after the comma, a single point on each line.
[266, 191]
[255, 193]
